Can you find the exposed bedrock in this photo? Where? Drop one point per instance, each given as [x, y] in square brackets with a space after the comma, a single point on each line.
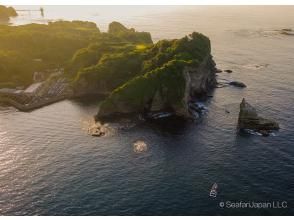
[249, 119]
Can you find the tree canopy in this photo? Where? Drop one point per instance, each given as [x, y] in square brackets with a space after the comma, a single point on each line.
[62, 44]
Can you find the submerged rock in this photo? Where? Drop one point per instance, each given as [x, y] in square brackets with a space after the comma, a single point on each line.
[250, 120]
[100, 130]
[96, 130]
[237, 84]
[228, 71]
[218, 70]
[197, 109]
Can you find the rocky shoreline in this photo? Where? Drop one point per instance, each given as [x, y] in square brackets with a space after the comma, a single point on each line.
[139, 79]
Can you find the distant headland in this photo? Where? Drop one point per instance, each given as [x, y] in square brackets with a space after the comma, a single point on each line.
[6, 13]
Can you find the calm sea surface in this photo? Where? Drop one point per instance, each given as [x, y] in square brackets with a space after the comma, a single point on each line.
[49, 165]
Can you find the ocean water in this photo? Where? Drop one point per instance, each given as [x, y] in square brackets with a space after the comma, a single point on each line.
[49, 165]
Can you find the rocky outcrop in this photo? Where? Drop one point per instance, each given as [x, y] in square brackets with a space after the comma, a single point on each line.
[287, 31]
[118, 30]
[237, 84]
[197, 81]
[175, 74]
[249, 119]
[6, 13]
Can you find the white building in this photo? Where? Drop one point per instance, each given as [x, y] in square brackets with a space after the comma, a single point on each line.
[34, 88]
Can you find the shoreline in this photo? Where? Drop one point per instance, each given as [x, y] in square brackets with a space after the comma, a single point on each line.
[44, 102]
[32, 106]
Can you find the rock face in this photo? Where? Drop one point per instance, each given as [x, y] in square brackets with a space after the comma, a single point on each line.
[249, 119]
[178, 72]
[199, 81]
[193, 82]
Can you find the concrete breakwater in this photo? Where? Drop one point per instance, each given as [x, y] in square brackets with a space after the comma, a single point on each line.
[31, 106]
[37, 95]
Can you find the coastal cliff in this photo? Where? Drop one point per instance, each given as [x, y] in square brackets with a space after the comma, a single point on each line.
[174, 95]
[135, 75]
[178, 72]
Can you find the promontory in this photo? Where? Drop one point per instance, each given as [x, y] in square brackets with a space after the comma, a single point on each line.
[65, 59]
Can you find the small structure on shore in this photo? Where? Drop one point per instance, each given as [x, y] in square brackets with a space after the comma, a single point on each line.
[33, 89]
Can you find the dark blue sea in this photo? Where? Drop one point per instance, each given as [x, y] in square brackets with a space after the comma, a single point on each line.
[49, 165]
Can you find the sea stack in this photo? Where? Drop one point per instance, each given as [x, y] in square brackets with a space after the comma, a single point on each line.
[249, 119]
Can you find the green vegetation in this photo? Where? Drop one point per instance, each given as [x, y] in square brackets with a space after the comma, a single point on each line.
[122, 62]
[162, 73]
[116, 63]
[110, 65]
[119, 31]
[36, 47]
[6, 13]
[135, 95]
[62, 44]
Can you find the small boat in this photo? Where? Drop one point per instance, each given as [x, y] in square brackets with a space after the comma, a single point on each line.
[213, 191]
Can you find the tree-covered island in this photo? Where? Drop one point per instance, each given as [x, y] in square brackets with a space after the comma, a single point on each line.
[41, 64]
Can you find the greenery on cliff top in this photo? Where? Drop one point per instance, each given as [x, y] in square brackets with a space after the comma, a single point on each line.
[116, 63]
[6, 13]
[38, 47]
[161, 73]
[136, 94]
[121, 61]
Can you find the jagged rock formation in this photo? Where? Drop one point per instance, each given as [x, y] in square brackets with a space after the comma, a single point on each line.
[249, 119]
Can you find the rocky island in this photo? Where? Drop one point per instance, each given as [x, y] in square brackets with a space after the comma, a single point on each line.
[75, 59]
[6, 13]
